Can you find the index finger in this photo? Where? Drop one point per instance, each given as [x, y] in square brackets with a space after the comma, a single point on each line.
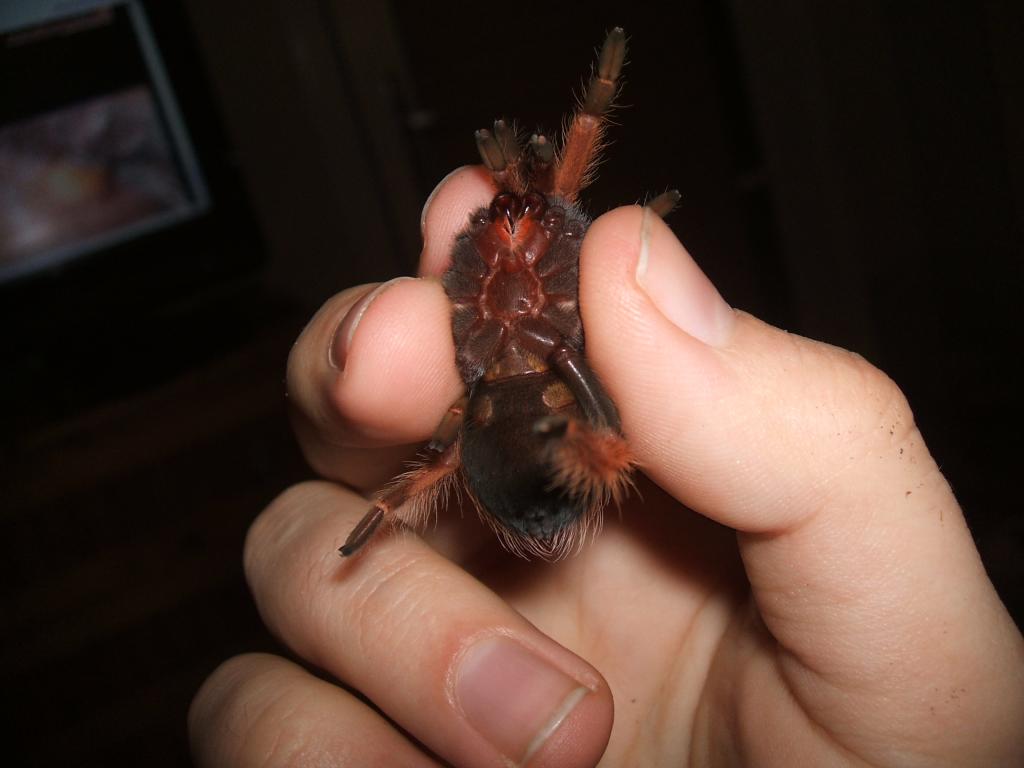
[374, 370]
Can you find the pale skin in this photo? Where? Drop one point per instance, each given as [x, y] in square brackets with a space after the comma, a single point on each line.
[797, 585]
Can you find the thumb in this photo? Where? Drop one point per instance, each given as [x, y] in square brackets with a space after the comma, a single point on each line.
[747, 424]
[852, 541]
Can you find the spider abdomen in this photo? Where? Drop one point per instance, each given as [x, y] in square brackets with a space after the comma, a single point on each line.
[508, 464]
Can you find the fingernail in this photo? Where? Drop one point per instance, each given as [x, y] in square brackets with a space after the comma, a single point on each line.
[678, 287]
[337, 352]
[513, 698]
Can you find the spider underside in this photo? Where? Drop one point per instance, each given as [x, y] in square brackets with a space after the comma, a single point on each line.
[535, 442]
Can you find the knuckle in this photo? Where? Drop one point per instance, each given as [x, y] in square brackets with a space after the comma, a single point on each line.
[876, 399]
[855, 395]
[866, 418]
[834, 398]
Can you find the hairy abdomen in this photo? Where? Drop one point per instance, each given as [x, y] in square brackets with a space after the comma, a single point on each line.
[507, 460]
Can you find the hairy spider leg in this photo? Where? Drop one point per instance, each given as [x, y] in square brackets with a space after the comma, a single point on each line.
[590, 458]
[419, 488]
[539, 170]
[586, 449]
[583, 139]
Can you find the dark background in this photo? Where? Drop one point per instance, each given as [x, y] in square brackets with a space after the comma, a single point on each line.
[851, 171]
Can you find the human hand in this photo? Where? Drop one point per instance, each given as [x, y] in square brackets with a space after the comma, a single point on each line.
[822, 604]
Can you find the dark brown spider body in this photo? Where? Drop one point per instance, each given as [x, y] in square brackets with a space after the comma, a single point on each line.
[536, 442]
[513, 285]
[506, 462]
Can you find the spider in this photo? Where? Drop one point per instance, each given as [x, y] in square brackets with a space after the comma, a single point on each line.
[536, 442]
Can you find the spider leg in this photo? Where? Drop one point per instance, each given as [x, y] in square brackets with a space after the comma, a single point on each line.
[542, 170]
[590, 455]
[507, 140]
[501, 153]
[490, 151]
[588, 462]
[664, 203]
[587, 453]
[586, 388]
[448, 430]
[543, 339]
[583, 139]
[421, 486]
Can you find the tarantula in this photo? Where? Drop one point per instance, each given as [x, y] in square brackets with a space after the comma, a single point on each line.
[536, 442]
